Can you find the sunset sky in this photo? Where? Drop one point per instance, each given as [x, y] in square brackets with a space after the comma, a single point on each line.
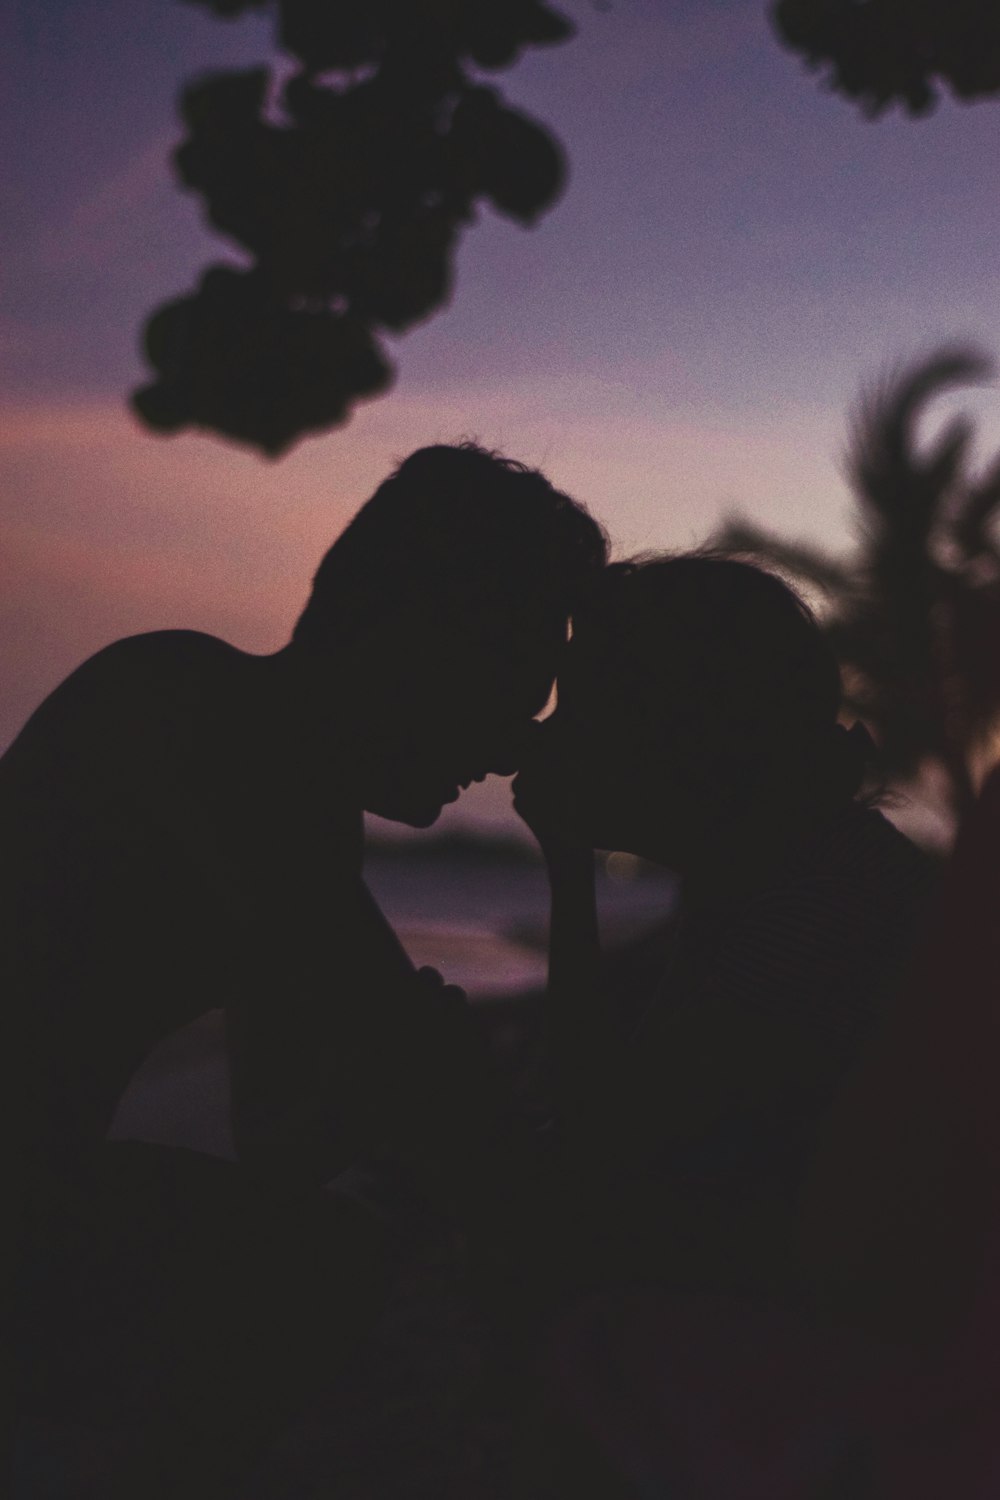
[736, 251]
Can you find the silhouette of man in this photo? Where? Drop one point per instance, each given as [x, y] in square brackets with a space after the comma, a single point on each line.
[181, 829]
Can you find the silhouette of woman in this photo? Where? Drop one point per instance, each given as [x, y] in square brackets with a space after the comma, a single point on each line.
[697, 727]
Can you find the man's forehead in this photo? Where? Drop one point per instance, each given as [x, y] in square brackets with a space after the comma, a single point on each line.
[520, 635]
[533, 654]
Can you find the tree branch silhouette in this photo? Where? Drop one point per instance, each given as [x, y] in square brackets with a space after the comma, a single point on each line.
[886, 52]
[350, 199]
[349, 192]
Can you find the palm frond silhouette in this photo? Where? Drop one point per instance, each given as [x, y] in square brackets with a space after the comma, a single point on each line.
[914, 612]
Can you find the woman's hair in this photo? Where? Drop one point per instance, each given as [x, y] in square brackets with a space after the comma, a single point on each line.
[723, 661]
[461, 535]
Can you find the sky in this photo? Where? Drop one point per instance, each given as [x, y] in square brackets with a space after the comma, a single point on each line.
[737, 251]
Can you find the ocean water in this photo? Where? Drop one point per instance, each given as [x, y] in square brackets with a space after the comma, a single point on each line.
[484, 922]
[481, 920]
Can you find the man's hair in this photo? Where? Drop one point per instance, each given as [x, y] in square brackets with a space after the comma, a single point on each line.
[460, 536]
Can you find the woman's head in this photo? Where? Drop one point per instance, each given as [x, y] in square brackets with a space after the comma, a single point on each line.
[697, 689]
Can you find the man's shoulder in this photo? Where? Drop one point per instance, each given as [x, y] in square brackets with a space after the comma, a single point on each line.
[142, 665]
[162, 648]
[124, 690]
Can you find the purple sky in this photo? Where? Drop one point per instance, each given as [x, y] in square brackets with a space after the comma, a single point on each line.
[736, 251]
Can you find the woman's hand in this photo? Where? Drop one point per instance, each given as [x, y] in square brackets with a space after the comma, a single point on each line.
[549, 794]
[546, 797]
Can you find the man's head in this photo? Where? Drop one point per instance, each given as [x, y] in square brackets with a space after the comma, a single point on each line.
[451, 589]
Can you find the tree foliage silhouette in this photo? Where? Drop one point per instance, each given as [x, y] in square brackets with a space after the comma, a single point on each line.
[915, 613]
[885, 52]
[350, 193]
[350, 189]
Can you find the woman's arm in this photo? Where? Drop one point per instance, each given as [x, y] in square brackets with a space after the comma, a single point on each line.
[622, 1098]
[585, 1043]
